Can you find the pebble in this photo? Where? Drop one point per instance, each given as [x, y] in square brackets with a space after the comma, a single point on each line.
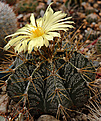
[47, 118]
[3, 103]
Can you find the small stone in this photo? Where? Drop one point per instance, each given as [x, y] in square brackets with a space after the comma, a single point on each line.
[42, 13]
[20, 16]
[85, 50]
[100, 14]
[85, 31]
[78, 31]
[100, 63]
[99, 2]
[88, 29]
[93, 23]
[86, 23]
[26, 17]
[95, 5]
[87, 41]
[84, 117]
[47, 118]
[3, 103]
[84, 27]
[92, 18]
[80, 37]
[84, 20]
[96, 25]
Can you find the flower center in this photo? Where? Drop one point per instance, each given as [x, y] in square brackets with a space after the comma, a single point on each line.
[37, 32]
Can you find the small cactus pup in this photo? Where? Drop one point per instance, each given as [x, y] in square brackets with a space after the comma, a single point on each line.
[49, 73]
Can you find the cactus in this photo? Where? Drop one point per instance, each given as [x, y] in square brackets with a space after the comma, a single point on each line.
[8, 24]
[52, 75]
[44, 84]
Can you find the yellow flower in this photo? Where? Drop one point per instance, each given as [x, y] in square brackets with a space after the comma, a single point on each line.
[36, 34]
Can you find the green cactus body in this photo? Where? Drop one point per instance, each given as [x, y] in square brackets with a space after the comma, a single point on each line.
[45, 83]
[8, 22]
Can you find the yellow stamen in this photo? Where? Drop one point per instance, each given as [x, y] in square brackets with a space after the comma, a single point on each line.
[37, 32]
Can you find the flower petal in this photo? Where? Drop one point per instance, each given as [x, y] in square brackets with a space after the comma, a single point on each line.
[56, 16]
[48, 12]
[59, 26]
[18, 33]
[17, 47]
[46, 42]
[32, 19]
[48, 37]
[39, 22]
[14, 41]
[54, 34]
[36, 42]
[23, 46]
[39, 41]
